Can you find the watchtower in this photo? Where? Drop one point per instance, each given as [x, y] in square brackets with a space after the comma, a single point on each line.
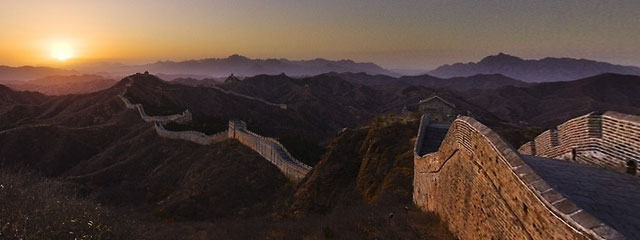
[236, 125]
[438, 109]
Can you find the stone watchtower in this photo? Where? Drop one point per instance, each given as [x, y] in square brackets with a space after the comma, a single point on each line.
[438, 109]
[236, 125]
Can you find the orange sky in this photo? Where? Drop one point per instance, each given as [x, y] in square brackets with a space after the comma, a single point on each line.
[395, 34]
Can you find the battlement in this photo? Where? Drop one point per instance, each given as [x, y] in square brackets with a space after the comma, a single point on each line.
[606, 140]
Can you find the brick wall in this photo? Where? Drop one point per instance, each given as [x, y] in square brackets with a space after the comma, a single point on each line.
[607, 140]
[481, 187]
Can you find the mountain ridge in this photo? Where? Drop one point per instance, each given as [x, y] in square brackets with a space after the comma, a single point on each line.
[549, 104]
[25, 73]
[244, 66]
[548, 69]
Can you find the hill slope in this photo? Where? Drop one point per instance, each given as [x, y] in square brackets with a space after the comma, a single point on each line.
[61, 85]
[94, 140]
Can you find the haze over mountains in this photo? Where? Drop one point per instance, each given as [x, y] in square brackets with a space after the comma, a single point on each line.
[61, 85]
[511, 67]
[548, 69]
[25, 73]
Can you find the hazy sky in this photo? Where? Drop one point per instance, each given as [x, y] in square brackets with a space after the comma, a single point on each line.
[394, 34]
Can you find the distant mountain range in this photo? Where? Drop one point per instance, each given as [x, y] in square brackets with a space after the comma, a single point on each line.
[243, 66]
[544, 70]
[62, 85]
[496, 70]
[10, 74]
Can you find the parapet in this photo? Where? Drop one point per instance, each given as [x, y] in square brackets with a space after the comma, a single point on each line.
[608, 140]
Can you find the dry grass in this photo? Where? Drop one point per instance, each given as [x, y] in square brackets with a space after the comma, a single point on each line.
[32, 207]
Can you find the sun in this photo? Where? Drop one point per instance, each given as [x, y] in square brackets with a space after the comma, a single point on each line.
[62, 51]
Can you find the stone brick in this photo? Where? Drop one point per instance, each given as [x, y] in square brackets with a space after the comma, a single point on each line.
[607, 232]
[565, 206]
[585, 219]
[552, 196]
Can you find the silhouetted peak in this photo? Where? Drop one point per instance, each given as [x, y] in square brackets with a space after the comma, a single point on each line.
[231, 79]
[236, 57]
[143, 78]
[501, 58]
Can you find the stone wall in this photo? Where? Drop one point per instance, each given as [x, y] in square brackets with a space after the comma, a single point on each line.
[193, 136]
[483, 189]
[607, 140]
[270, 149]
[280, 105]
[183, 117]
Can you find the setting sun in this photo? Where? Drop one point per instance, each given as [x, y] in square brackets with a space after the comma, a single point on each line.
[62, 51]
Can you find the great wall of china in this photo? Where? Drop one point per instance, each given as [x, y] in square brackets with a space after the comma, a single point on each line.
[269, 148]
[484, 189]
[280, 105]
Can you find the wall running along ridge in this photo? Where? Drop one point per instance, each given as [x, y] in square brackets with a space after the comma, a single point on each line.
[193, 136]
[179, 118]
[269, 148]
[280, 105]
[607, 140]
[483, 189]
